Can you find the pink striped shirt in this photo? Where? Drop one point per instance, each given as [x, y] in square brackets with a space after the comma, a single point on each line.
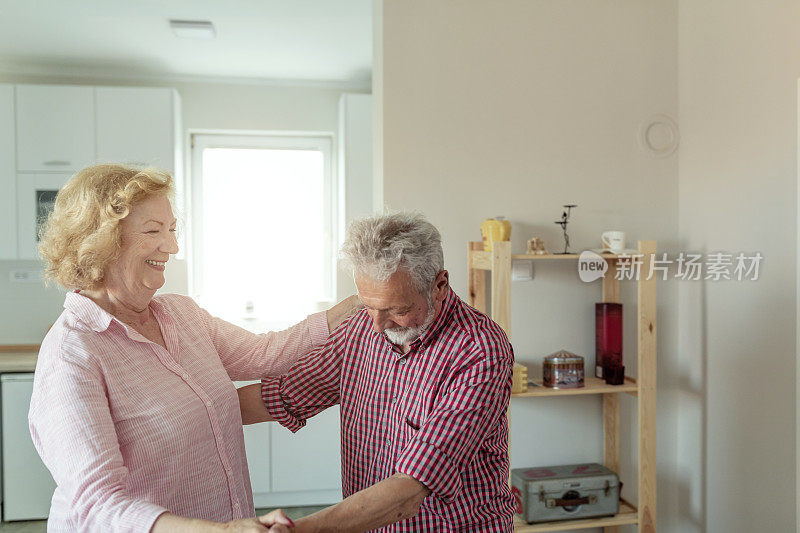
[130, 430]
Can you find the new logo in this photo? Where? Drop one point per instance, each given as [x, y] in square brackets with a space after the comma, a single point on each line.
[591, 266]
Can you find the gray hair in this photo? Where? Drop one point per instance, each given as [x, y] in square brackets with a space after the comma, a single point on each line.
[378, 246]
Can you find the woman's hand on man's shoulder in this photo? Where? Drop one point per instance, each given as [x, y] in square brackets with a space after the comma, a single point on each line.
[344, 309]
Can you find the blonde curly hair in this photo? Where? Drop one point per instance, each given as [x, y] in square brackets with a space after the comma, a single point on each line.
[82, 235]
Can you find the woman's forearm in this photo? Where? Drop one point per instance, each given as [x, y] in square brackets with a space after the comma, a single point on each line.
[170, 523]
[274, 522]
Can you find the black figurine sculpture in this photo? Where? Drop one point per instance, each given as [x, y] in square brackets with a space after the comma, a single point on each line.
[563, 223]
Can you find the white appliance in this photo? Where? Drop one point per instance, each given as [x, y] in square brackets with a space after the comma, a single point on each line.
[27, 485]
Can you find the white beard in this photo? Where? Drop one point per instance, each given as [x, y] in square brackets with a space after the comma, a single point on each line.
[403, 336]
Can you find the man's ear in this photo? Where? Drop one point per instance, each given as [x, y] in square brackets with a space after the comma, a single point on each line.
[441, 284]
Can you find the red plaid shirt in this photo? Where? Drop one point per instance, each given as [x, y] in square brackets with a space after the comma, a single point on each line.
[437, 413]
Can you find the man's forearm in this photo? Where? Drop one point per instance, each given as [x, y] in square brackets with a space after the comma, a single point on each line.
[394, 499]
[252, 406]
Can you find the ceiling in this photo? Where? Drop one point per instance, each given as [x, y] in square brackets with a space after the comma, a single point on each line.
[271, 40]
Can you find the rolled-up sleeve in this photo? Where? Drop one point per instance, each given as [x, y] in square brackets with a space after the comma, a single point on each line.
[309, 387]
[72, 429]
[449, 439]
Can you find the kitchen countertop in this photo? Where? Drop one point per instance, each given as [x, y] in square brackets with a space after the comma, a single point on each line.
[21, 359]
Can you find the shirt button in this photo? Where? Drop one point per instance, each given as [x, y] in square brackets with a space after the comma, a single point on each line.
[185, 375]
[394, 400]
[236, 506]
[208, 403]
[403, 361]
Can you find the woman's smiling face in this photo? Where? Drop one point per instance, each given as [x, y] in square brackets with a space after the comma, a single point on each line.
[148, 239]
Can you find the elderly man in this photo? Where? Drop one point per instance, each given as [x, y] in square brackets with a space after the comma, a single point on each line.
[423, 381]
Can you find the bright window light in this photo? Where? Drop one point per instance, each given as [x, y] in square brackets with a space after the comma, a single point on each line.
[264, 241]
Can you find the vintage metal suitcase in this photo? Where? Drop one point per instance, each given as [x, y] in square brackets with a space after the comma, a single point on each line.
[565, 492]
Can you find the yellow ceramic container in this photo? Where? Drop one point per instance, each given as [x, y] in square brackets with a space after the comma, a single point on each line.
[495, 229]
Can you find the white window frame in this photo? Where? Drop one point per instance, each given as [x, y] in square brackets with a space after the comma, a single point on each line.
[317, 141]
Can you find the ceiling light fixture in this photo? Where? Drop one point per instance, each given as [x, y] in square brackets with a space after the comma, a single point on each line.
[192, 29]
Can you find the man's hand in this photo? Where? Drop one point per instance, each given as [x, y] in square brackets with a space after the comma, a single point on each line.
[277, 521]
[274, 522]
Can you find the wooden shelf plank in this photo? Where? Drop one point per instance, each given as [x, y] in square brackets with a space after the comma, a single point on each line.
[563, 257]
[482, 259]
[501, 284]
[646, 301]
[477, 279]
[628, 514]
[11, 348]
[592, 385]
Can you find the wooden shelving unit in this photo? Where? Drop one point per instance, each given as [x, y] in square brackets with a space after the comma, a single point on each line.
[628, 515]
[498, 264]
[593, 385]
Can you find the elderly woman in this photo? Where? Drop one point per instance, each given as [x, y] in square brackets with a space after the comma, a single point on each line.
[133, 408]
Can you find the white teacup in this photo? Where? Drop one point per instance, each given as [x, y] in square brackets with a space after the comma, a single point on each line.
[613, 240]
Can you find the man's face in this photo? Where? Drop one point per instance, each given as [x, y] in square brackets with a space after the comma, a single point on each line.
[397, 308]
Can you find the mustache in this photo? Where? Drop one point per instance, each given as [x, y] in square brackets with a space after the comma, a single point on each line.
[402, 335]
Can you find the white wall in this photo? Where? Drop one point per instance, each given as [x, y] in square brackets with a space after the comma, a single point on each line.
[355, 171]
[739, 64]
[28, 310]
[515, 108]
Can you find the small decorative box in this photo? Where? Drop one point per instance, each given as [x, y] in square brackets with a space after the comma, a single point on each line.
[563, 370]
[519, 382]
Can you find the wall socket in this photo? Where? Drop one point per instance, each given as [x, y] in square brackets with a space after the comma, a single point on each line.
[521, 270]
[25, 276]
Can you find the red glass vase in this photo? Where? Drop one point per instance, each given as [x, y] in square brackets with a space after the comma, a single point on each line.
[608, 336]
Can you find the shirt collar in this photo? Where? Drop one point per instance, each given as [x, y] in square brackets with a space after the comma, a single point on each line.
[87, 311]
[97, 318]
[444, 315]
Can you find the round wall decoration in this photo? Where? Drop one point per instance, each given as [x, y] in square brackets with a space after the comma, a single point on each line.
[658, 135]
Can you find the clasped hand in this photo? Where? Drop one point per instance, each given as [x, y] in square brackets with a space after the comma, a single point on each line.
[274, 522]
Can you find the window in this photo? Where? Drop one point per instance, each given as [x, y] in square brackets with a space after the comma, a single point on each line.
[263, 227]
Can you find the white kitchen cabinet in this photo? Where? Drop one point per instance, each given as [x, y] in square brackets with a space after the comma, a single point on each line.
[8, 181]
[27, 484]
[309, 459]
[137, 125]
[55, 128]
[35, 196]
[256, 444]
[48, 132]
[291, 469]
